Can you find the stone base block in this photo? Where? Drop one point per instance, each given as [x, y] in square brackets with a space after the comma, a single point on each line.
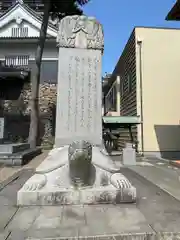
[19, 158]
[13, 148]
[75, 197]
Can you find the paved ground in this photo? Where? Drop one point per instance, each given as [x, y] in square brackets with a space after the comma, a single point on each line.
[156, 213]
[165, 176]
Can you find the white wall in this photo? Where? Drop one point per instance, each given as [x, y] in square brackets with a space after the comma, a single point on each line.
[6, 30]
[161, 88]
[50, 51]
[20, 15]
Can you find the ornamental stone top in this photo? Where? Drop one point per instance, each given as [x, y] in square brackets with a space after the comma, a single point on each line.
[80, 32]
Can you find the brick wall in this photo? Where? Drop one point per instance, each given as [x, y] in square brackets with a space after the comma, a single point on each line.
[17, 115]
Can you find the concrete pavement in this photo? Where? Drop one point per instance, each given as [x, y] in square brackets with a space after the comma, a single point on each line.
[161, 173]
[156, 215]
[155, 212]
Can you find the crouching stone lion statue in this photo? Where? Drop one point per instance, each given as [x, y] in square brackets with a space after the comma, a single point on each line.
[78, 173]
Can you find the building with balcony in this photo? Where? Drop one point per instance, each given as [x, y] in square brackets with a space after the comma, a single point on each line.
[20, 23]
[111, 96]
[149, 87]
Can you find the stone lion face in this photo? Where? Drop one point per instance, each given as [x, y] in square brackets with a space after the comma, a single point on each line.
[80, 151]
[80, 156]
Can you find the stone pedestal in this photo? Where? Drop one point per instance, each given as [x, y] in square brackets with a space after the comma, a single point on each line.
[51, 184]
[62, 196]
[129, 155]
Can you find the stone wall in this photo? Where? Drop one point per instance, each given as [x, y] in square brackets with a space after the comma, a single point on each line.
[17, 114]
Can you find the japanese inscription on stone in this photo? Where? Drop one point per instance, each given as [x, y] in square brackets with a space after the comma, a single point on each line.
[70, 113]
[94, 92]
[82, 94]
[81, 102]
[89, 109]
[77, 96]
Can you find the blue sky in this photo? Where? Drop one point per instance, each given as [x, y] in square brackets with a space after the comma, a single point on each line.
[119, 17]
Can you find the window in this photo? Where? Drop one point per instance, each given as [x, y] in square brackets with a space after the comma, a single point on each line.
[19, 32]
[111, 99]
[114, 98]
[21, 60]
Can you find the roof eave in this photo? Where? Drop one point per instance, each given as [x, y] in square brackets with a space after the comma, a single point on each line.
[174, 13]
[25, 40]
[32, 12]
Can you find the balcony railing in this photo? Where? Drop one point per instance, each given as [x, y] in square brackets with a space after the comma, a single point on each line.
[17, 61]
[19, 32]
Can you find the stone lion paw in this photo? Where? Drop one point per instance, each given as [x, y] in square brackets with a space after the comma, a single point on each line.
[35, 183]
[119, 181]
[104, 151]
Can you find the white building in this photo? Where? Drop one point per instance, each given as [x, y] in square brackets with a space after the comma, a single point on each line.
[19, 31]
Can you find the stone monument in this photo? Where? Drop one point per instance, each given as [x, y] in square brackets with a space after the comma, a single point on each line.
[78, 170]
[79, 107]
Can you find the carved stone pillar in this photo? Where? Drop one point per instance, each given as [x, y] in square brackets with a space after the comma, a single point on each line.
[79, 93]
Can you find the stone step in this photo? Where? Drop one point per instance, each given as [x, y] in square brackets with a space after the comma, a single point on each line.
[123, 236]
[19, 158]
[13, 148]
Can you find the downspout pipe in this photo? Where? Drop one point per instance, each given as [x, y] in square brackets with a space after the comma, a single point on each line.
[118, 97]
[139, 42]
